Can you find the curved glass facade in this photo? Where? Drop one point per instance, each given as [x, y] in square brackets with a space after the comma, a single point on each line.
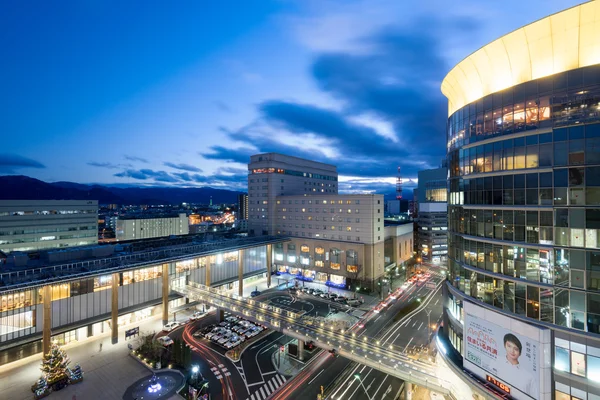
[524, 199]
[524, 214]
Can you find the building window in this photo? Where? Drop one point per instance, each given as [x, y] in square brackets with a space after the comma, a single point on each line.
[561, 359]
[577, 363]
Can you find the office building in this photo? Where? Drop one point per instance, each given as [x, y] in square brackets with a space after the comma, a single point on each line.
[432, 221]
[271, 175]
[242, 211]
[33, 225]
[335, 238]
[522, 303]
[151, 226]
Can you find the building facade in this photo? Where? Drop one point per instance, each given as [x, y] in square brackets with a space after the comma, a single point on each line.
[271, 175]
[432, 220]
[523, 140]
[334, 238]
[32, 225]
[133, 228]
[242, 212]
[90, 297]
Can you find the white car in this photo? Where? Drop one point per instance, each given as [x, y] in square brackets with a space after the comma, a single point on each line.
[170, 326]
[165, 341]
[197, 315]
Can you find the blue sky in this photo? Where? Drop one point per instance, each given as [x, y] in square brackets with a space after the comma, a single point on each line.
[181, 93]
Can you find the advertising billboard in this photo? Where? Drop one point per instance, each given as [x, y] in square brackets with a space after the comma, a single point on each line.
[507, 353]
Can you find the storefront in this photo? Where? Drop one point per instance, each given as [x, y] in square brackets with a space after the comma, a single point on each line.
[336, 281]
[321, 277]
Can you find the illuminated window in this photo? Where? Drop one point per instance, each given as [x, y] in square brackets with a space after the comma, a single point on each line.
[577, 363]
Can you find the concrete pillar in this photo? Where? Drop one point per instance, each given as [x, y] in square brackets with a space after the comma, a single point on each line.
[207, 272]
[220, 315]
[165, 293]
[241, 272]
[47, 322]
[300, 350]
[408, 391]
[114, 310]
[269, 263]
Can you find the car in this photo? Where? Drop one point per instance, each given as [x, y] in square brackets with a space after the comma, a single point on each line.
[165, 341]
[341, 299]
[255, 293]
[170, 326]
[197, 315]
[323, 295]
[354, 302]
[332, 296]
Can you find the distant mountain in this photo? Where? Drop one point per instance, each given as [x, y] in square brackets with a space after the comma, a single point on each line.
[21, 187]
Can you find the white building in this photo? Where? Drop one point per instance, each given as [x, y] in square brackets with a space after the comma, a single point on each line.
[31, 225]
[133, 228]
[271, 175]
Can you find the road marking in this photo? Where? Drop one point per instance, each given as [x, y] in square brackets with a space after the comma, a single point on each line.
[312, 380]
[411, 339]
[414, 323]
[420, 326]
[437, 301]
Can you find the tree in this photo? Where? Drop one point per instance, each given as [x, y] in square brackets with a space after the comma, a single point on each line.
[55, 364]
[354, 275]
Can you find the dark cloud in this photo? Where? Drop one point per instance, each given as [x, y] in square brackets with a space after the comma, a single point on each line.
[134, 158]
[241, 155]
[398, 84]
[145, 174]
[183, 167]
[9, 163]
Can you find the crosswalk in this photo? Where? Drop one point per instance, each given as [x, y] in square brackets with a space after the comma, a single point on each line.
[221, 371]
[268, 388]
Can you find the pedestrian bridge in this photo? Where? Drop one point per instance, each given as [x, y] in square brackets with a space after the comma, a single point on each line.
[349, 344]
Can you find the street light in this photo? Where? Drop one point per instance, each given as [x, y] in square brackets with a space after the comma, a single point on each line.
[357, 377]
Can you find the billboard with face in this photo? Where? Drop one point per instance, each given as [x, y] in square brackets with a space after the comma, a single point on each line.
[508, 355]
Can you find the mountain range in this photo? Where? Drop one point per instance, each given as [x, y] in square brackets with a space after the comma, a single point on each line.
[19, 187]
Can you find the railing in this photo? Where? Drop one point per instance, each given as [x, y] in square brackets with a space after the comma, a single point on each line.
[365, 350]
[40, 275]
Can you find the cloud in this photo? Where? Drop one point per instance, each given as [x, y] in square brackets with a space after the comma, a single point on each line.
[134, 158]
[183, 167]
[10, 163]
[145, 174]
[223, 107]
[108, 165]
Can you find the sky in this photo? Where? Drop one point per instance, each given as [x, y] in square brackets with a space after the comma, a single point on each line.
[182, 93]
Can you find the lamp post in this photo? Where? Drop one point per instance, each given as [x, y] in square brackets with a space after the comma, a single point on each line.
[428, 324]
[195, 370]
[357, 377]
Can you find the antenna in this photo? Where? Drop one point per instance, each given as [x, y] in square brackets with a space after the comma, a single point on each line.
[399, 185]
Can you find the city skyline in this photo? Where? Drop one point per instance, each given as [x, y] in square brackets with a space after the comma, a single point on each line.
[183, 96]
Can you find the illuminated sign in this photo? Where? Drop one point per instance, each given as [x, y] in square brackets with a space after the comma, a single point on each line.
[498, 384]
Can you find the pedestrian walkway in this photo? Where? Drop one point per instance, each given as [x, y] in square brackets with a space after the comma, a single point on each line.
[268, 388]
[107, 368]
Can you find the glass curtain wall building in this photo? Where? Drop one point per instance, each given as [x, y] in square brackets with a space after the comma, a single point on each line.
[523, 152]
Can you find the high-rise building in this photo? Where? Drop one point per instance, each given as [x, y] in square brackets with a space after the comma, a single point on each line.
[242, 207]
[271, 175]
[31, 225]
[432, 221]
[334, 239]
[522, 302]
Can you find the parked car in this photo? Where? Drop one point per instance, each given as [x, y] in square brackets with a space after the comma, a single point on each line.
[354, 302]
[332, 296]
[341, 299]
[170, 326]
[197, 315]
[165, 341]
[255, 293]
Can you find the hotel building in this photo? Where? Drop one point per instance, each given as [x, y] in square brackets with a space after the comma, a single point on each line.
[523, 151]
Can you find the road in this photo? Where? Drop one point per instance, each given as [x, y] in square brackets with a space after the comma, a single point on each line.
[254, 375]
[408, 335]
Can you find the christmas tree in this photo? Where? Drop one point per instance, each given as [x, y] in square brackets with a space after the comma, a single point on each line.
[55, 364]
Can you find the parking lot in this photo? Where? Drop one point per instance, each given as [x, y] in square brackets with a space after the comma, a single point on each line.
[327, 296]
[230, 333]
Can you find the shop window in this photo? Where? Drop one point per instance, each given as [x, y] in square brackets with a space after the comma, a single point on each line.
[593, 368]
[577, 363]
[561, 359]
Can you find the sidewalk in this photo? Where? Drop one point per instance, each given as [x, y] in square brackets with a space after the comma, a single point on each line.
[107, 373]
